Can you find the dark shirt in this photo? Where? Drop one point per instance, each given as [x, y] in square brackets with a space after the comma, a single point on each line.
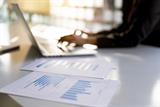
[141, 24]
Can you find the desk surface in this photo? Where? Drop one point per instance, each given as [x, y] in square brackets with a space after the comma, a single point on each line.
[138, 73]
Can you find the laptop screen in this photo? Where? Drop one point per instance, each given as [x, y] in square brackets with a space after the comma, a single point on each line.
[22, 24]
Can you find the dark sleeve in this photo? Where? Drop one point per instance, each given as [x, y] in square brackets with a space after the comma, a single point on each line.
[144, 22]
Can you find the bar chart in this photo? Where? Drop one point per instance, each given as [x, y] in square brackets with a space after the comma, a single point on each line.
[62, 88]
[79, 88]
[45, 81]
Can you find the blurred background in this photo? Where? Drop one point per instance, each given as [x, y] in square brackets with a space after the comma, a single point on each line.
[94, 15]
[91, 15]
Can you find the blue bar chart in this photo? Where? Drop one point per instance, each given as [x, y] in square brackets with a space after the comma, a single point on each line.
[44, 81]
[81, 87]
[63, 88]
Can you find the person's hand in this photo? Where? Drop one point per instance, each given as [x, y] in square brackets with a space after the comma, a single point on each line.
[78, 40]
[84, 34]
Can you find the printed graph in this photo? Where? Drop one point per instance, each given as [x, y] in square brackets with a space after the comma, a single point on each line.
[44, 81]
[81, 87]
[79, 65]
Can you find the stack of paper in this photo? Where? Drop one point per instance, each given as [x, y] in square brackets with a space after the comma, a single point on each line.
[79, 81]
[68, 89]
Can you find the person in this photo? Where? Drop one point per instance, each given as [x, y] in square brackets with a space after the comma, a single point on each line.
[140, 25]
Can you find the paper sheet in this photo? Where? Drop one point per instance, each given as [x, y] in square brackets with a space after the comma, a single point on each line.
[90, 67]
[67, 89]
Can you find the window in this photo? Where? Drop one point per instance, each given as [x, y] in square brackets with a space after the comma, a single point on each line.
[94, 15]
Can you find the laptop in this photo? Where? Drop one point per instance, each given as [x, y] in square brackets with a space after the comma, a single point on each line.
[47, 49]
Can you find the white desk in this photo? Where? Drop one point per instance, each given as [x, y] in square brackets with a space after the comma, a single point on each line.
[138, 73]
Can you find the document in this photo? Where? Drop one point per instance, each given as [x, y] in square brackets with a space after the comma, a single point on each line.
[61, 88]
[90, 67]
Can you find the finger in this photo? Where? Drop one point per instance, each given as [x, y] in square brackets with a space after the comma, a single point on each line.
[71, 46]
[61, 39]
[64, 46]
